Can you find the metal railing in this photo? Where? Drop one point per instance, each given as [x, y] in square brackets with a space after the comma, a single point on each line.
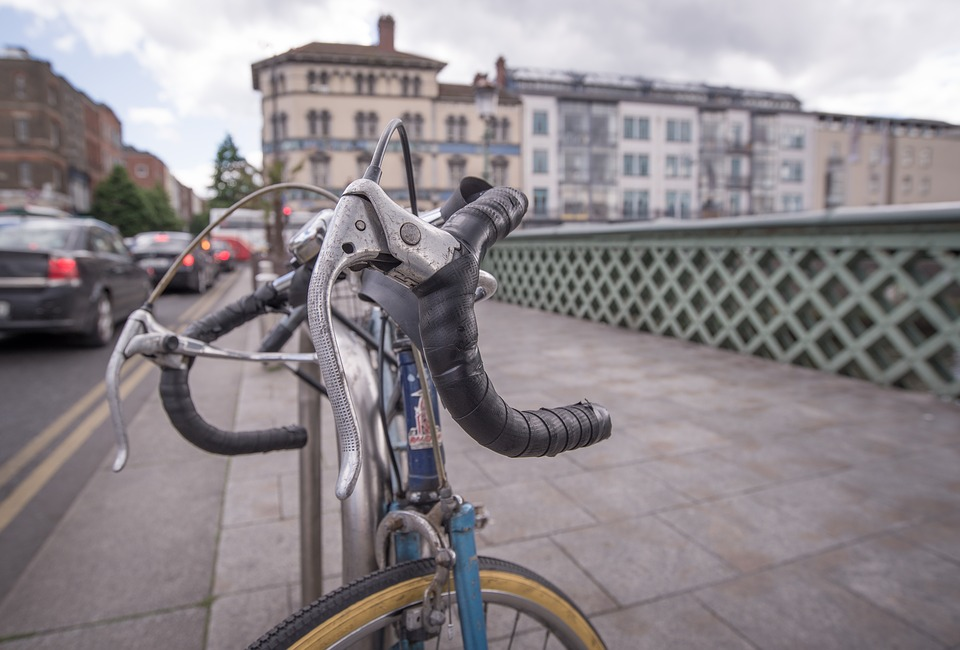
[869, 292]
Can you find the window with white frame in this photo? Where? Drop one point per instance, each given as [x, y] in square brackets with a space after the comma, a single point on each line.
[540, 161]
[457, 166]
[540, 126]
[540, 201]
[636, 128]
[498, 167]
[21, 128]
[636, 204]
[791, 171]
[792, 137]
[636, 164]
[792, 202]
[678, 204]
[679, 131]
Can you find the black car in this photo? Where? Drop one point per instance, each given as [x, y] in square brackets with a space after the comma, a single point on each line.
[66, 275]
[224, 255]
[156, 252]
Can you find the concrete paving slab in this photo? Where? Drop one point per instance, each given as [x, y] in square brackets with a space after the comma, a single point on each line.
[182, 629]
[623, 492]
[237, 620]
[901, 577]
[679, 623]
[641, 559]
[518, 511]
[792, 607]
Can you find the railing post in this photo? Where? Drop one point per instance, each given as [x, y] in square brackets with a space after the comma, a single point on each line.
[311, 462]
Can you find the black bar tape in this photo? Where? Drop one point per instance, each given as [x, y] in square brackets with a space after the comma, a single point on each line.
[213, 326]
[175, 387]
[448, 328]
[175, 395]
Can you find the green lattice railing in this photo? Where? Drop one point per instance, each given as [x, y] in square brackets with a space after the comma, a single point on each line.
[873, 294]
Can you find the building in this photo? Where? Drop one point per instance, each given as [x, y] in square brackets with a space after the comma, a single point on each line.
[324, 106]
[864, 161]
[608, 147]
[57, 144]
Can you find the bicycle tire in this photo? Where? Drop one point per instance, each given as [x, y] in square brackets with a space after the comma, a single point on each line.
[371, 606]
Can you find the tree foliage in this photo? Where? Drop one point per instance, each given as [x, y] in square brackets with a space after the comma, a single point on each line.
[118, 201]
[161, 214]
[233, 177]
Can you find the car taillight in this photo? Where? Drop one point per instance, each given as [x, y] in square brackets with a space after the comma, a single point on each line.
[62, 268]
[223, 256]
[188, 260]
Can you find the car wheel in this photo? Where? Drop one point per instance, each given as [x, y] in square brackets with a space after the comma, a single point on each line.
[102, 325]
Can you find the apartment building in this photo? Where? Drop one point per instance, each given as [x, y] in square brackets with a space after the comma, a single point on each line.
[609, 147]
[57, 144]
[324, 106]
[864, 161]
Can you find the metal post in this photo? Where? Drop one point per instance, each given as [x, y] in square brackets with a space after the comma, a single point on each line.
[311, 462]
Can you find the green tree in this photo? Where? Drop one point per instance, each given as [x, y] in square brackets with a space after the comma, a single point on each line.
[118, 201]
[233, 177]
[162, 216]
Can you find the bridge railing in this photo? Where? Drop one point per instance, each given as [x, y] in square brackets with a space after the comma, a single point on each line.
[872, 293]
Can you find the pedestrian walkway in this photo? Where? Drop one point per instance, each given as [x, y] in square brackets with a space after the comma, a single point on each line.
[739, 504]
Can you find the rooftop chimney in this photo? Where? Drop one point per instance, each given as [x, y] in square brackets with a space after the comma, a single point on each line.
[501, 73]
[386, 26]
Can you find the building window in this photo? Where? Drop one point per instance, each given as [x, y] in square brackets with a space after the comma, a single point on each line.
[679, 167]
[907, 158]
[21, 129]
[461, 129]
[416, 160]
[636, 164]
[371, 85]
[736, 135]
[457, 166]
[141, 170]
[672, 168]
[540, 161]
[499, 171]
[55, 135]
[636, 128]
[540, 123]
[278, 125]
[51, 95]
[451, 128]
[678, 204]
[363, 161]
[416, 86]
[734, 204]
[791, 171]
[501, 130]
[636, 204]
[792, 202]
[925, 157]
[20, 86]
[366, 125]
[358, 83]
[26, 175]
[907, 184]
[320, 169]
[414, 125]
[924, 186]
[540, 201]
[319, 123]
[792, 137]
[405, 86]
[678, 131]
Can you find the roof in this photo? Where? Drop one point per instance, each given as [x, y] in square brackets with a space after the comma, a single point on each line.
[345, 53]
[466, 93]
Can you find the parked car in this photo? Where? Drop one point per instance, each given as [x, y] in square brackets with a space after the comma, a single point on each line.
[156, 252]
[66, 275]
[241, 248]
[224, 255]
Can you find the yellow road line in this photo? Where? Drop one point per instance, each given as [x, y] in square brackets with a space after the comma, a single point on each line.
[39, 442]
[34, 482]
[41, 475]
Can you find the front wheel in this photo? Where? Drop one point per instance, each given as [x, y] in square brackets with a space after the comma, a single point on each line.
[519, 605]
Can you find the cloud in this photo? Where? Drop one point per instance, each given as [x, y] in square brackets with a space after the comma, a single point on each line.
[156, 116]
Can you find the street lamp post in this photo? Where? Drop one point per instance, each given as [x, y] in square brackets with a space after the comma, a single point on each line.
[485, 98]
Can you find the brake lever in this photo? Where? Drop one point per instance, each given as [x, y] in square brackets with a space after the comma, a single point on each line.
[367, 229]
[138, 323]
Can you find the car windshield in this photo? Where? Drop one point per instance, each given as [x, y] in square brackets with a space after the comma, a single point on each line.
[161, 242]
[27, 235]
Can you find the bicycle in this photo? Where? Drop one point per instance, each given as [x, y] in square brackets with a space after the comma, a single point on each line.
[422, 581]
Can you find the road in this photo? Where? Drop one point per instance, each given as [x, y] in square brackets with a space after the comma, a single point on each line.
[54, 424]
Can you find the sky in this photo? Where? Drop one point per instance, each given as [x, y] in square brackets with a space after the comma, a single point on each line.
[177, 72]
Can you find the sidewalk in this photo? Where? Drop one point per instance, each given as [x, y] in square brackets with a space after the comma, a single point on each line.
[740, 504]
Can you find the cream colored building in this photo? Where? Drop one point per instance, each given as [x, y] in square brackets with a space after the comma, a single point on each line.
[863, 161]
[325, 105]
